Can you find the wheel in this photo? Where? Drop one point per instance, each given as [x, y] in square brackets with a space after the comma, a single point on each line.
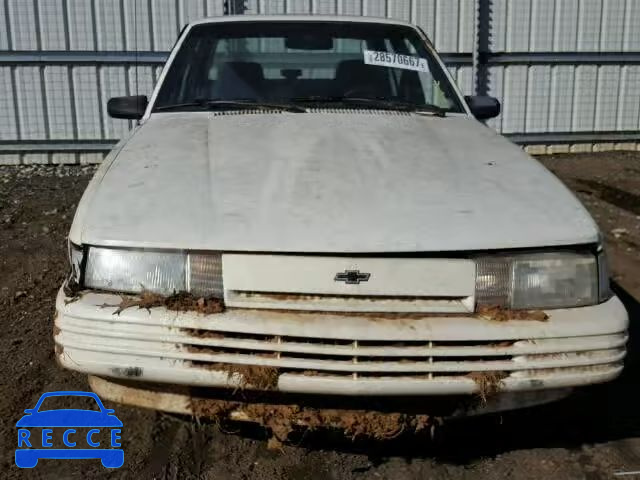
[112, 458]
[26, 459]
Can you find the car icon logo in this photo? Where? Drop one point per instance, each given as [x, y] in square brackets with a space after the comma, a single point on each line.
[352, 277]
[81, 434]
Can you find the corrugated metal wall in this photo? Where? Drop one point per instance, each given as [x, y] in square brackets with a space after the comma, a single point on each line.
[57, 101]
[550, 98]
[67, 102]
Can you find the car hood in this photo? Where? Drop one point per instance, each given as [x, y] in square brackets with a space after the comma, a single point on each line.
[69, 418]
[326, 181]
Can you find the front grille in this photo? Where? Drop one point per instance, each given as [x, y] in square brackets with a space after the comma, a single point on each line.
[203, 348]
[347, 303]
[323, 283]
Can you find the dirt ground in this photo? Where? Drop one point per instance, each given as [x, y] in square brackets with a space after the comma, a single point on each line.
[591, 435]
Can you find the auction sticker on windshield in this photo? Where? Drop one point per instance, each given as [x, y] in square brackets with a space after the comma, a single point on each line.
[395, 60]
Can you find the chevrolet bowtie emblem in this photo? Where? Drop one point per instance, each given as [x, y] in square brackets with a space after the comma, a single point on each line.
[352, 277]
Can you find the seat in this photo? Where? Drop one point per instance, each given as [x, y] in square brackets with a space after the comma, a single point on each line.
[410, 88]
[240, 81]
[356, 77]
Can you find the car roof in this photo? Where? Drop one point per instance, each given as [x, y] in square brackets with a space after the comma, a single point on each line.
[302, 18]
[69, 393]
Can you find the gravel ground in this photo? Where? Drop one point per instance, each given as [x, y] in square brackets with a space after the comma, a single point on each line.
[588, 436]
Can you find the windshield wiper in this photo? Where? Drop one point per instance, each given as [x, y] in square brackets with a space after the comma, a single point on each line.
[218, 104]
[254, 104]
[381, 103]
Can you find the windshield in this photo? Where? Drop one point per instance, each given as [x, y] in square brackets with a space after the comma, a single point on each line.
[287, 63]
[65, 402]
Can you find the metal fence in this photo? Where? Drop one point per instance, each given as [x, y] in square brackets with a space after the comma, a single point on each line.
[567, 71]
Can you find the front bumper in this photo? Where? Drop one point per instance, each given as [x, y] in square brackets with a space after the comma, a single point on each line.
[342, 354]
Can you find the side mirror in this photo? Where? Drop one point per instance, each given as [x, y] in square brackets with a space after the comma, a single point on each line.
[109, 411]
[483, 107]
[131, 108]
[29, 410]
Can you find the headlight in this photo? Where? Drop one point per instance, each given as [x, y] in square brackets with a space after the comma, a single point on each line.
[604, 288]
[124, 270]
[540, 280]
[75, 261]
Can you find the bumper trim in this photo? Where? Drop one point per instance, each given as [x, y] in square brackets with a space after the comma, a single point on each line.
[180, 400]
[603, 319]
[163, 371]
[119, 350]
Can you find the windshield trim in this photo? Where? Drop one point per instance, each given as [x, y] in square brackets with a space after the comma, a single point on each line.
[319, 19]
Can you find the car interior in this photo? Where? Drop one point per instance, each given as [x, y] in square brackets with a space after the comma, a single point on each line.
[353, 78]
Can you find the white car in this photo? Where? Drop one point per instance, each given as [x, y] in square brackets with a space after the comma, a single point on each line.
[308, 205]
